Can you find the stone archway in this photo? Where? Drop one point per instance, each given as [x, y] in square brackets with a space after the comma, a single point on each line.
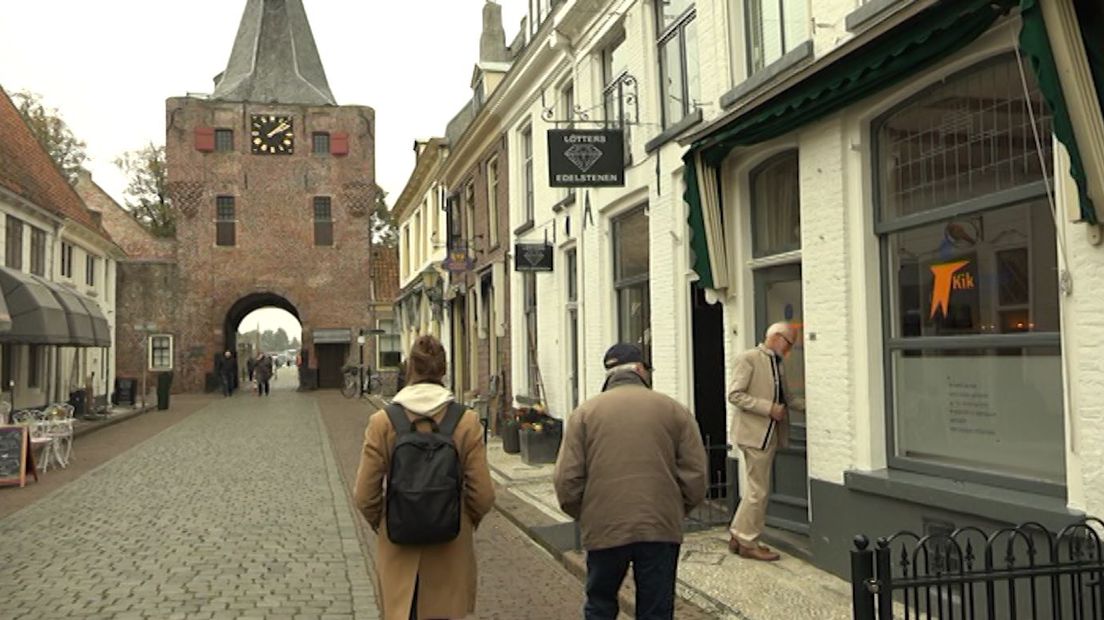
[254, 301]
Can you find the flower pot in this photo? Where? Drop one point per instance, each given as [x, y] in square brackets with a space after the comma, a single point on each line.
[539, 447]
[511, 442]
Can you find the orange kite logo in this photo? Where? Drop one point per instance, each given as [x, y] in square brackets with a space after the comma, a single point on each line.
[945, 281]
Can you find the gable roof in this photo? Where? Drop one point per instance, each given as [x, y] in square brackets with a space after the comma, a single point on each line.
[27, 170]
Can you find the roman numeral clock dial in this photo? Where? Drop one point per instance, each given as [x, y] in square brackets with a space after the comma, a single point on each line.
[272, 135]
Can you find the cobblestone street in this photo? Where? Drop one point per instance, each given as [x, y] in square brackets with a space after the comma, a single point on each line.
[236, 508]
[236, 511]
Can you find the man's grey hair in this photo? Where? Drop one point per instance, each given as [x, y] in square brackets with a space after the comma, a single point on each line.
[783, 328]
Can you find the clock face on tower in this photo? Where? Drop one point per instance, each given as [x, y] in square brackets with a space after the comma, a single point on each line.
[272, 134]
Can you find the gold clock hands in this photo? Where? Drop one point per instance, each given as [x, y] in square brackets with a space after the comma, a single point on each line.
[279, 128]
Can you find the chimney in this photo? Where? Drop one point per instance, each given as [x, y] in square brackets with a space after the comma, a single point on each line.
[492, 43]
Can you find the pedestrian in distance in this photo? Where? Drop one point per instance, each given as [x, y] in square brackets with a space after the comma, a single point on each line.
[251, 366]
[631, 467]
[762, 397]
[226, 367]
[424, 486]
[263, 373]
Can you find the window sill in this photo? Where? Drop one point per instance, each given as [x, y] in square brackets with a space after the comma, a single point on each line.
[866, 13]
[971, 498]
[767, 74]
[566, 202]
[524, 228]
[674, 131]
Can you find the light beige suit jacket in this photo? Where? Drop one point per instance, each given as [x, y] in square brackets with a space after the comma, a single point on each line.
[753, 392]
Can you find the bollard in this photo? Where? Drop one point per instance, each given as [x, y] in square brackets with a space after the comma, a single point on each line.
[862, 570]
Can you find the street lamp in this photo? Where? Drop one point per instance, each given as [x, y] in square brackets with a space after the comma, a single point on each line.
[431, 284]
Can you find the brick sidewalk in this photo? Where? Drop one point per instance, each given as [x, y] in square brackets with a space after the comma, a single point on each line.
[710, 578]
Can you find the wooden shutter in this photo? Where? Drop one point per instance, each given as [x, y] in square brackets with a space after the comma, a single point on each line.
[205, 139]
[339, 144]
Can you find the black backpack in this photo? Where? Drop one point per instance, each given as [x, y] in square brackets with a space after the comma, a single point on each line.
[425, 484]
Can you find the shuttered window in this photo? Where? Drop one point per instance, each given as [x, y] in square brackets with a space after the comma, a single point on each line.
[323, 221]
[205, 139]
[225, 221]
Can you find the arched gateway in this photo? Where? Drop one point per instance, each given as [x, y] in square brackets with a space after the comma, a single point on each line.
[273, 184]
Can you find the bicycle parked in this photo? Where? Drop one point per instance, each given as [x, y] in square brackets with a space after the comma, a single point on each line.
[360, 381]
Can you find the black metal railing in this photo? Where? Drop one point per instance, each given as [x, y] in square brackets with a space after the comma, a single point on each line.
[720, 501]
[1025, 571]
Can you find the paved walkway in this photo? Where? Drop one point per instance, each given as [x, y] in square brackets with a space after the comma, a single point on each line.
[237, 511]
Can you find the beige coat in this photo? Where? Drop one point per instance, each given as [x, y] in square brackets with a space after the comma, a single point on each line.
[631, 466]
[446, 573]
[752, 391]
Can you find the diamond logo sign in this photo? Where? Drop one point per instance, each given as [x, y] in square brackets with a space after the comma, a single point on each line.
[583, 155]
[586, 158]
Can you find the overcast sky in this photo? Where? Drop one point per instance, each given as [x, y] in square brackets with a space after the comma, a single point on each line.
[109, 65]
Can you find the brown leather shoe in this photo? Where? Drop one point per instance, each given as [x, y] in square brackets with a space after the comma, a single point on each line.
[759, 552]
[733, 545]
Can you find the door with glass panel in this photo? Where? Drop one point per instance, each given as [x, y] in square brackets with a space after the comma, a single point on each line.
[776, 273]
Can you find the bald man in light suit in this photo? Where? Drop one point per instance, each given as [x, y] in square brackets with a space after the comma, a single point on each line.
[762, 397]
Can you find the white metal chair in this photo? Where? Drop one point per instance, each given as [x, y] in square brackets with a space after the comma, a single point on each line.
[41, 437]
[57, 420]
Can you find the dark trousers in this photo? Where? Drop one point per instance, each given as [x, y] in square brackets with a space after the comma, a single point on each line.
[227, 385]
[262, 387]
[654, 568]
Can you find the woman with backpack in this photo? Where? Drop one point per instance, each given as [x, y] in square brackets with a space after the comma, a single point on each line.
[424, 485]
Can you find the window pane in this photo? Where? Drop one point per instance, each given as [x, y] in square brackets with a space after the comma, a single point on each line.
[776, 206]
[693, 77]
[572, 277]
[996, 409]
[13, 237]
[671, 10]
[764, 33]
[615, 59]
[963, 139]
[795, 24]
[322, 211]
[225, 234]
[323, 233]
[674, 104]
[321, 144]
[988, 273]
[631, 245]
[224, 208]
[224, 140]
[782, 302]
[634, 317]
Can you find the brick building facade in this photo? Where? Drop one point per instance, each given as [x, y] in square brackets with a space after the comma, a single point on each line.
[273, 184]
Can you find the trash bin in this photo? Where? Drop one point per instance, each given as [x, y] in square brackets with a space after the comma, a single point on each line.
[124, 391]
[164, 385]
[77, 400]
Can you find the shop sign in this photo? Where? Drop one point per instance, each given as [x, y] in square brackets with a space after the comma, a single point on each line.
[533, 257]
[458, 260]
[586, 158]
[955, 300]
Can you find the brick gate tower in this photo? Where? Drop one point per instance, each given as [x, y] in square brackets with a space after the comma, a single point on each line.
[273, 184]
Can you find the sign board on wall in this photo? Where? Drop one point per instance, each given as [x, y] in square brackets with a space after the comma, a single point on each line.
[586, 158]
[533, 257]
[458, 260]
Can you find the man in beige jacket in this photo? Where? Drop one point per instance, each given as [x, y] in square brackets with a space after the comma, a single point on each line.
[762, 398]
[631, 466]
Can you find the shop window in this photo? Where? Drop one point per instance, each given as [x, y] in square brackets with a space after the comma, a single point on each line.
[970, 261]
[631, 266]
[774, 27]
[13, 243]
[678, 58]
[225, 221]
[160, 352]
[38, 251]
[323, 221]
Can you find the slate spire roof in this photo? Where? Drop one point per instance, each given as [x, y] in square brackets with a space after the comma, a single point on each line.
[275, 59]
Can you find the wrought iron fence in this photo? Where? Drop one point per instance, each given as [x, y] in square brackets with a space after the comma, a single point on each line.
[1025, 571]
[720, 501]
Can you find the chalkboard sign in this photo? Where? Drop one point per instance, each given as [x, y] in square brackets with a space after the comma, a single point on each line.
[14, 455]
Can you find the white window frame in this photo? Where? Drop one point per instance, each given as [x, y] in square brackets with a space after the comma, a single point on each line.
[149, 352]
